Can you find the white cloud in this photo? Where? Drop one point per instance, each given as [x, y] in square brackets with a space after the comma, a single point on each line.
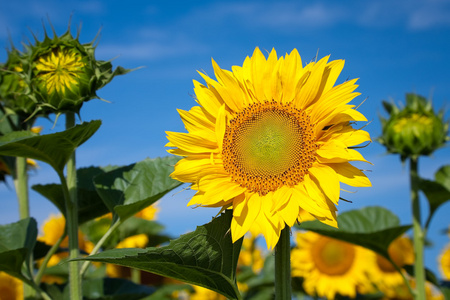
[153, 48]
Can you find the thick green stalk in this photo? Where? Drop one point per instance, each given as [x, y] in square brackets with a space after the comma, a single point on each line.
[21, 185]
[20, 177]
[72, 219]
[283, 266]
[418, 232]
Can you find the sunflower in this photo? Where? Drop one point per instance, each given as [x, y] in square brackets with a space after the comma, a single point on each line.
[269, 138]
[383, 274]
[202, 293]
[444, 263]
[251, 255]
[402, 292]
[330, 266]
[11, 288]
[53, 228]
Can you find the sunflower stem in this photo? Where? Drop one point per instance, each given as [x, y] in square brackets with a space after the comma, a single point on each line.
[70, 188]
[21, 185]
[283, 266]
[418, 232]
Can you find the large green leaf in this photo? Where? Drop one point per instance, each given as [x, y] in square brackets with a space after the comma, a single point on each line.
[17, 241]
[129, 189]
[54, 149]
[437, 192]
[90, 205]
[206, 257]
[371, 227]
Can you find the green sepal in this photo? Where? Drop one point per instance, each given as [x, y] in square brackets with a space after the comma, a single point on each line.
[206, 257]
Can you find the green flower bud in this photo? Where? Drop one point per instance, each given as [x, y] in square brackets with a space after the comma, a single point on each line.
[65, 72]
[14, 85]
[414, 130]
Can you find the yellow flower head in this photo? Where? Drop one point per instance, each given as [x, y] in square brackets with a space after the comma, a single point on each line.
[148, 213]
[444, 263]
[53, 229]
[60, 70]
[268, 139]
[11, 288]
[251, 255]
[383, 274]
[202, 293]
[330, 266]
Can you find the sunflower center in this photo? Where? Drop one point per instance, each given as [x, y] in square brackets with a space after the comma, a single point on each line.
[268, 145]
[332, 257]
[59, 70]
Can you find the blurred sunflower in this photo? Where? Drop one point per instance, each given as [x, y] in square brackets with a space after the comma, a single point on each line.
[251, 255]
[11, 288]
[402, 292]
[329, 266]
[383, 274]
[53, 229]
[444, 263]
[269, 138]
[202, 293]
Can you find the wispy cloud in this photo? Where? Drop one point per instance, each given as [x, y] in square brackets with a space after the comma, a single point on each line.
[290, 15]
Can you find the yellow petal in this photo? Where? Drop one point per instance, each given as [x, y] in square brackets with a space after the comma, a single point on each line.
[191, 143]
[351, 175]
[242, 223]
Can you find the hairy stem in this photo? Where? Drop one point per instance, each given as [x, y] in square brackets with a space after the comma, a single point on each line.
[418, 232]
[72, 218]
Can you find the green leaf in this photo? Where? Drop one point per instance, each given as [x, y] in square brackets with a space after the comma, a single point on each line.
[90, 205]
[443, 176]
[54, 149]
[436, 194]
[371, 227]
[206, 257]
[129, 189]
[445, 288]
[17, 241]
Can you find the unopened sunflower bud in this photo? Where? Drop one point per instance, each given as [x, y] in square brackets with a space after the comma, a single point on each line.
[65, 73]
[413, 130]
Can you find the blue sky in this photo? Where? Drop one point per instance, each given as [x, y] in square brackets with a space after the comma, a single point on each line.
[394, 47]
